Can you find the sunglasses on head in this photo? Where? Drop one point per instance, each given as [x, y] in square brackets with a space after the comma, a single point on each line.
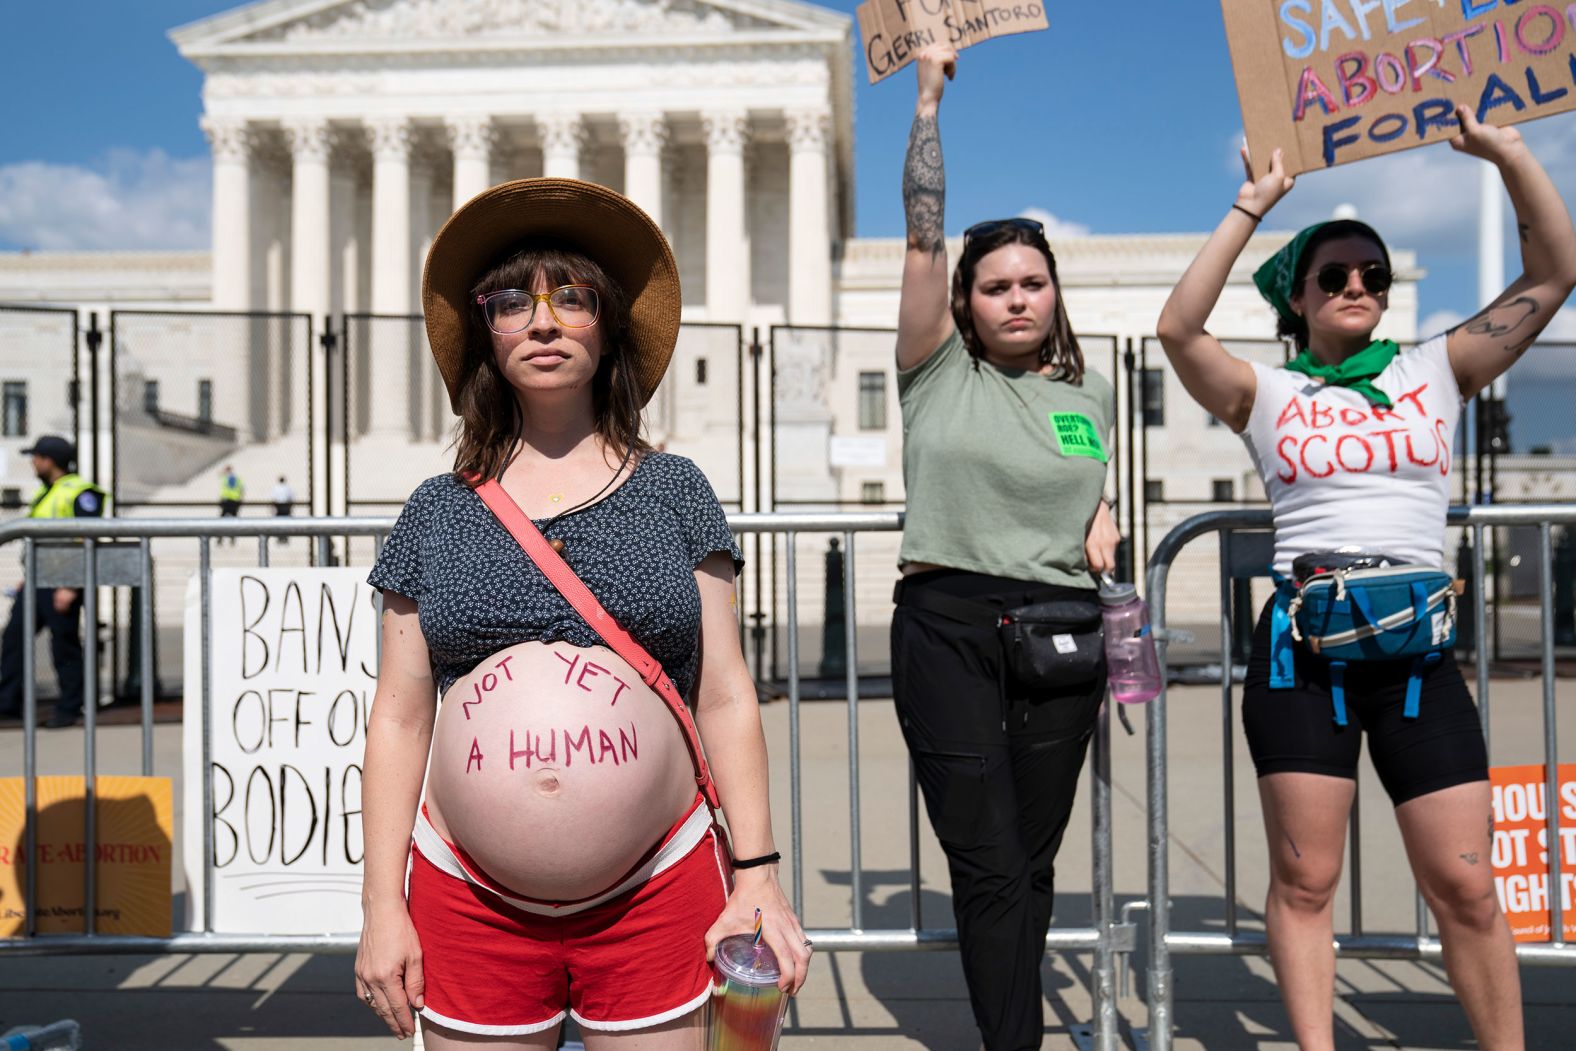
[991, 226]
[1332, 278]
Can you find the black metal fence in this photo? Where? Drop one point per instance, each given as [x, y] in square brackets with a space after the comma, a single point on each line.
[192, 392]
[41, 392]
[804, 419]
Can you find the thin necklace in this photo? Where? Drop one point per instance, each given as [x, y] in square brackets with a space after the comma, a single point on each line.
[558, 545]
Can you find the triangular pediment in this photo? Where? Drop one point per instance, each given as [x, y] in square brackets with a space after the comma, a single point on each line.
[358, 24]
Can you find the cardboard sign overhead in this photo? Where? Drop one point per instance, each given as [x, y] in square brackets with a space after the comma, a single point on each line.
[1332, 81]
[894, 31]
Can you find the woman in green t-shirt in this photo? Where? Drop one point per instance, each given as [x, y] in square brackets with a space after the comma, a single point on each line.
[1004, 462]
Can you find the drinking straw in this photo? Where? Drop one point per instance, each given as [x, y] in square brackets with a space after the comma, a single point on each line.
[757, 926]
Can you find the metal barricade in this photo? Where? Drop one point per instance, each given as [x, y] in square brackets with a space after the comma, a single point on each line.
[133, 564]
[1245, 544]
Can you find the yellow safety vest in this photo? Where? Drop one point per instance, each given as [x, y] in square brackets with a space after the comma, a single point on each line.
[235, 492]
[60, 500]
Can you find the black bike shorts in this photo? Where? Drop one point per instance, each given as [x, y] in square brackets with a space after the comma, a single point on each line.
[1294, 730]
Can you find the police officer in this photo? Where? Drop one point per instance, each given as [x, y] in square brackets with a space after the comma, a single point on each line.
[231, 492]
[64, 494]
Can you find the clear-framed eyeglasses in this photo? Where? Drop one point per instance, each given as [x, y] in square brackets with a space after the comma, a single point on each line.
[510, 310]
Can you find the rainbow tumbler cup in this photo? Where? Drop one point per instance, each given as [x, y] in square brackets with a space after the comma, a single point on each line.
[747, 1008]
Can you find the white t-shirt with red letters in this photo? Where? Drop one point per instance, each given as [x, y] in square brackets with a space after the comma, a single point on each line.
[1342, 472]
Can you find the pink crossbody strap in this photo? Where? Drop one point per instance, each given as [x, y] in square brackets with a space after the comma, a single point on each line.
[621, 642]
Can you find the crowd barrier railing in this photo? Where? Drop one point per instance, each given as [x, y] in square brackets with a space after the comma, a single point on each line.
[98, 553]
[1246, 549]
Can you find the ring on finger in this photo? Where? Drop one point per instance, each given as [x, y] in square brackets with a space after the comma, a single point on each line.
[370, 998]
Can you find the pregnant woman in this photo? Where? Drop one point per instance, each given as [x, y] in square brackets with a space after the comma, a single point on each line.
[564, 861]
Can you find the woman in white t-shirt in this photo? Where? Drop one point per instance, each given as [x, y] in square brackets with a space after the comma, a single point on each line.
[1353, 441]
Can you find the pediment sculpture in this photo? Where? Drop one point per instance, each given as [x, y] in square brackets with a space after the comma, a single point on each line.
[378, 20]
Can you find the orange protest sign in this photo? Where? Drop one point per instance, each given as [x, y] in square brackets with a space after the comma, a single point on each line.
[894, 31]
[1520, 855]
[1331, 81]
[134, 828]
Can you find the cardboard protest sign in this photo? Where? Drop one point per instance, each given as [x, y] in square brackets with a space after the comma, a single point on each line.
[894, 31]
[1331, 81]
[133, 830]
[294, 668]
[1520, 855]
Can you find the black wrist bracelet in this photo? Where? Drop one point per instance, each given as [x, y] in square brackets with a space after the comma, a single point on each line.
[1256, 218]
[754, 863]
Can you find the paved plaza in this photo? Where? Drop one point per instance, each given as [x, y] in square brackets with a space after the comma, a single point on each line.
[869, 1001]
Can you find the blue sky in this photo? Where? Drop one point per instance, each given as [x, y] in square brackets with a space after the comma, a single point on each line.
[1110, 125]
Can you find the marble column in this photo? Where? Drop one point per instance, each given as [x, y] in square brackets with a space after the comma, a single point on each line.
[421, 231]
[346, 247]
[231, 143]
[645, 135]
[809, 242]
[563, 138]
[727, 250]
[391, 274]
[473, 140]
[311, 248]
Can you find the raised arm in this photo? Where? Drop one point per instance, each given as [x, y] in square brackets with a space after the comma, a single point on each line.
[1488, 344]
[924, 315]
[1223, 384]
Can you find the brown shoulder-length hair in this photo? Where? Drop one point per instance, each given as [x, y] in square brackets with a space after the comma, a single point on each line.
[491, 417]
[1060, 349]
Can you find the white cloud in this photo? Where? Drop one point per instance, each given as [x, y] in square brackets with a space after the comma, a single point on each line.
[129, 200]
[1563, 328]
[1054, 227]
[1437, 322]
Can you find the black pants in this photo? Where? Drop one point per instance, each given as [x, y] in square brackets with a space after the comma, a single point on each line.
[65, 646]
[998, 796]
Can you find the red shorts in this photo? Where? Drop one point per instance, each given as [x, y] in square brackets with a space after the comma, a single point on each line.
[635, 961]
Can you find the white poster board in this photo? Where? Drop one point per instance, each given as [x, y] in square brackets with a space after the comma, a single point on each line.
[293, 669]
[858, 451]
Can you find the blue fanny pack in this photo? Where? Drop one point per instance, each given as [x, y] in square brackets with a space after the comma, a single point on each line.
[1371, 614]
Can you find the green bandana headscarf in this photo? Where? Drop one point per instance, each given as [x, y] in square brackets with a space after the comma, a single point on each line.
[1356, 372]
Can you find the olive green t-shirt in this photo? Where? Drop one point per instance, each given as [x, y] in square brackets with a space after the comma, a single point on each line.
[1003, 468]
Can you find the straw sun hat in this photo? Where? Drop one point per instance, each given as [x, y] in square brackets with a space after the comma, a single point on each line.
[602, 224]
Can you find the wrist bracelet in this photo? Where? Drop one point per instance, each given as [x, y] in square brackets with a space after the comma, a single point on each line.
[1256, 218]
[752, 863]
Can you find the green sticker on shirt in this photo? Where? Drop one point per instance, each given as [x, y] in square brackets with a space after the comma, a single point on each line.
[1076, 435]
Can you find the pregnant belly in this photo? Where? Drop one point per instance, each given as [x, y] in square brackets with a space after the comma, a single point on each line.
[556, 769]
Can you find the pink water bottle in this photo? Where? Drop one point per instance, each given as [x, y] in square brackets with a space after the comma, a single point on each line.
[1132, 667]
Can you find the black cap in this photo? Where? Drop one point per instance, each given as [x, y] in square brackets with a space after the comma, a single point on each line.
[56, 448]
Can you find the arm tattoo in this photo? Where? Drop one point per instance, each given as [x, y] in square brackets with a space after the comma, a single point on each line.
[1526, 232]
[1470, 859]
[924, 187]
[1504, 319]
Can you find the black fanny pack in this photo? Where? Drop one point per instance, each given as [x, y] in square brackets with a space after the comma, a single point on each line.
[1045, 644]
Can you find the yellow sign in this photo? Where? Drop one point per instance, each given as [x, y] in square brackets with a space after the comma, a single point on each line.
[134, 828]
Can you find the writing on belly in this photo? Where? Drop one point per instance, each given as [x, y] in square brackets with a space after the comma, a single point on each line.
[557, 745]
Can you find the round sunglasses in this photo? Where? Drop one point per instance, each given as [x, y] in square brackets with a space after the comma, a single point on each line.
[1333, 277]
